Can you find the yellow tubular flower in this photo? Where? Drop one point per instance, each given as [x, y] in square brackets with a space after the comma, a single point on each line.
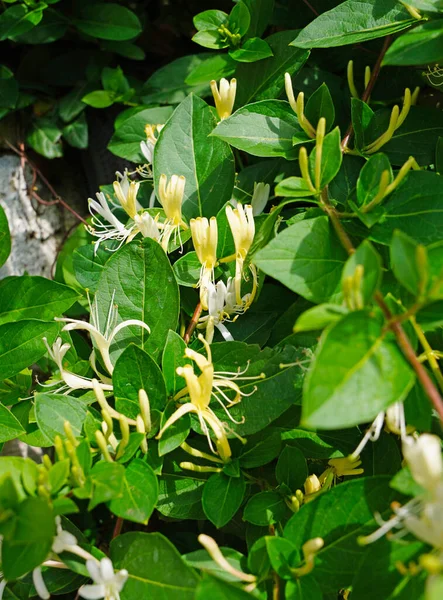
[171, 197]
[199, 389]
[241, 223]
[205, 239]
[224, 96]
[127, 196]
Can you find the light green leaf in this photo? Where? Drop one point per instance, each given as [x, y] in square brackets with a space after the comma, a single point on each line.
[409, 263]
[44, 138]
[356, 373]
[368, 183]
[5, 237]
[252, 50]
[365, 256]
[140, 491]
[213, 588]
[331, 159]
[141, 554]
[184, 148]
[76, 133]
[319, 317]
[352, 22]
[420, 46]
[306, 257]
[52, 410]
[108, 482]
[99, 99]
[10, 427]
[173, 356]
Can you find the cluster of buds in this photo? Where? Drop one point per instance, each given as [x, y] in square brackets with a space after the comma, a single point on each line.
[351, 82]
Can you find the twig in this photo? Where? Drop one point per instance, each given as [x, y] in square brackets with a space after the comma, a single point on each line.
[402, 339]
[366, 94]
[118, 527]
[309, 5]
[193, 323]
[37, 173]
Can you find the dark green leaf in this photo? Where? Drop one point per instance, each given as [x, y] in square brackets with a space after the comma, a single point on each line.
[108, 21]
[365, 256]
[291, 468]
[420, 46]
[76, 133]
[5, 237]
[320, 104]
[44, 138]
[10, 427]
[331, 158]
[265, 508]
[252, 50]
[222, 497]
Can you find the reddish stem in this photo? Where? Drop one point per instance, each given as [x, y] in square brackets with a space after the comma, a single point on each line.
[118, 527]
[193, 323]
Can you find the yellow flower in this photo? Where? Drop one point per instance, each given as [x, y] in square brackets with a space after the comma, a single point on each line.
[346, 466]
[224, 97]
[171, 194]
[241, 223]
[205, 238]
[126, 192]
[200, 389]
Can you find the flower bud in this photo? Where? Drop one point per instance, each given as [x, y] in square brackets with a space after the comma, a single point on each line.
[312, 485]
[423, 456]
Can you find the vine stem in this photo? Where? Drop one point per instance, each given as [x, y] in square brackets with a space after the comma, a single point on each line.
[118, 527]
[402, 339]
[193, 323]
[368, 90]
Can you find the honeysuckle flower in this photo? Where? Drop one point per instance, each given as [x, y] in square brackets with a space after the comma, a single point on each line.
[146, 225]
[260, 197]
[126, 192]
[63, 540]
[147, 148]
[71, 380]
[221, 305]
[346, 466]
[241, 223]
[107, 584]
[312, 485]
[103, 337]
[309, 550]
[108, 227]
[224, 96]
[39, 584]
[200, 389]
[205, 238]
[423, 515]
[170, 194]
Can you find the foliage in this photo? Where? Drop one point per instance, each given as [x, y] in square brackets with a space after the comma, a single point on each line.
[235, 376]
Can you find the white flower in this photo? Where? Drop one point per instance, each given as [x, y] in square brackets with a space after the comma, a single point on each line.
[71, 380]
[126, 192]
[242, 225]
[39, 584]
[103, 340]
[260, 197]
[147, 149]
[147, 226]
[224, 96]
[221, 305]
[63, 541]
[112, 228]
[423, 456]
[107, 584]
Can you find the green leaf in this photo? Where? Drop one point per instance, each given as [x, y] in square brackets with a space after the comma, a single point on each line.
[239, 19]
[213, 588]
[17, 20]
[362, 114]
[141, 554]
[126, 49]
[283, 555]
[365, 256]
[319, 317]
[10, 427]
[173, 356]
[200, 559]
[108, 481]
[21, 344]
[168, 85]
[140, 491]
[215, 67]
[409, 263]
[52, 410]
[306, 257]
[32, 296]
[339, 517]
[8, 92]
[113, 80]
[304, 588]
[108, 21]
[176, 434]
[320, 104]
[29, 546]
[352, 22]
[208, 164]
[291, 469]
[261, 13]
[99, 99]
[331, 158]
[266, 79]
[368, 183]
[88, 262]
[265, 508]
[222, 497]
[260, 449]
[266, 128]
[356, 373]
[71, 105]
[52, 27]
[44, 138]
[126, 140]
[76, 133]
[414, 208]
[252, 50]
[5, 237]
[136, 370]
[420, 46]
[293, 187]
[149, 294]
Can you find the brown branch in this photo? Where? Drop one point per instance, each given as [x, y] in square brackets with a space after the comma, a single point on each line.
[366, 94]
[309, 5]
[393, 324]
[37, 173]
[118, 527]
[193, 323]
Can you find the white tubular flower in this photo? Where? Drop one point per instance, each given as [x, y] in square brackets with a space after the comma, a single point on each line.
[221, 305]
[241, 223]
[71, 380]
[126, 192]
[260, 197]
[147, 148]
[107, 584]
[103, 338]
[428, 526]
[112, 228]
[63, 541]
[147, 226]
[205, 239]
[224, 96]
[39, 584]
[171, 198]
[423, 456]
